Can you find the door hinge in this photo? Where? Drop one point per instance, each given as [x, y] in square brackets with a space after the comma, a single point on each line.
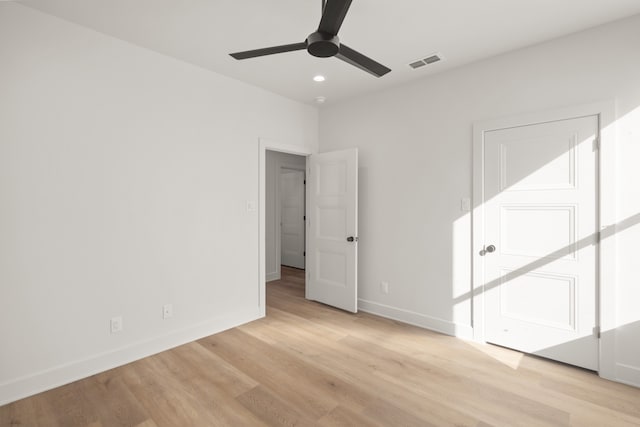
[596, 331]
[304, 182]
[304, 217]
[596, 143]
[304, 253]
[598, 236]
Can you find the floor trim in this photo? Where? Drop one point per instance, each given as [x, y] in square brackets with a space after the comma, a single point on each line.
[273, 276]
[628, 374]
[416, 319]
[64, 374]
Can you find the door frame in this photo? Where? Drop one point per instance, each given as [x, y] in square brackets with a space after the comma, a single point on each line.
[264, 145]
[605, 214]
[279, 210]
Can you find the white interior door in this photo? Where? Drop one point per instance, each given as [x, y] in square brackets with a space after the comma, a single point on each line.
[540, 199]
[332, 213]
[292, 217]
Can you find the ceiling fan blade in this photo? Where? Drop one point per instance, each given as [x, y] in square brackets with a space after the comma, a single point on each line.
[269, 50]
[359, 60]
[333, 15]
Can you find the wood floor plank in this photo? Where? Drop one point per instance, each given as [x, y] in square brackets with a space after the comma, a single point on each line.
[212, 386]
[211, 370]
[343, 417]
[428, 378]
[272, 410]
[309, 364]
[33, 411]
[285, 375]
[112, 401]
[174, 396]
[342, 362]
[387, 414]
[75, 410]
[168, 403]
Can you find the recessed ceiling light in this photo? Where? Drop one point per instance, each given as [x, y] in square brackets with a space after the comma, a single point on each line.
[318, 78]
[320, 99]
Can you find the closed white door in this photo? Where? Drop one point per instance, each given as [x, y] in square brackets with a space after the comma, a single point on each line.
[332, 214]
[540, 248]
[292, 217]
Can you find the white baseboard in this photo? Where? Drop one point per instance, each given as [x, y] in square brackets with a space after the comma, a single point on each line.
[416, 319]
[628, 374]
[273, 276]
[60, 375]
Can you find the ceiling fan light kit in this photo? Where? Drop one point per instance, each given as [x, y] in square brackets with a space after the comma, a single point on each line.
[325, 43]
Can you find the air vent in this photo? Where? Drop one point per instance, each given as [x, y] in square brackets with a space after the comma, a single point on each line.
[431, 59]
[417, 64]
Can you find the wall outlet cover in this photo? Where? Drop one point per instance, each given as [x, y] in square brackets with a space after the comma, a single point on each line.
[116, 324]
[167, 311]
[384, 287]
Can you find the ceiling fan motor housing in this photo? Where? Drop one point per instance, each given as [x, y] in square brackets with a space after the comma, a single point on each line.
[323, 45]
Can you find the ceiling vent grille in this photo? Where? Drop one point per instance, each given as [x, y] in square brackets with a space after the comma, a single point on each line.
[431, 59]
[417, 64]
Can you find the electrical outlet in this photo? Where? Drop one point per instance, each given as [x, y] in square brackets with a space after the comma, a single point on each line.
[384, 287]
[167, 311]
[116, 324]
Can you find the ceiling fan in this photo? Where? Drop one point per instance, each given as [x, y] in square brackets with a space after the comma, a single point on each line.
[324, 42]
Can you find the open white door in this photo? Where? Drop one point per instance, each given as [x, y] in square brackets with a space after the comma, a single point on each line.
[332, 224]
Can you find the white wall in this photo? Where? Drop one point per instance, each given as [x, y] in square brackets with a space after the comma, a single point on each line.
[274, 162]
[415, 146]
[124, 181]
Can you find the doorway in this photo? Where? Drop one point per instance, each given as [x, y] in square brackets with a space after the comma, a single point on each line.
[285, 213]
[330, 274]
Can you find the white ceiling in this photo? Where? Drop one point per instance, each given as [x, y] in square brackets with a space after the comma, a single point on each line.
[393, 32]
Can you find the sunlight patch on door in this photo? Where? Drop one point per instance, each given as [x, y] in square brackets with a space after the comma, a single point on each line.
[539, 298]
[538, 230]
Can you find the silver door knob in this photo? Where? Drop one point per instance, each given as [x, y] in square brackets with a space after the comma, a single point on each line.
[352, 239]
[489, 249]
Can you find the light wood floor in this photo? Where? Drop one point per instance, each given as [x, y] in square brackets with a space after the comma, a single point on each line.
[308, 364]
